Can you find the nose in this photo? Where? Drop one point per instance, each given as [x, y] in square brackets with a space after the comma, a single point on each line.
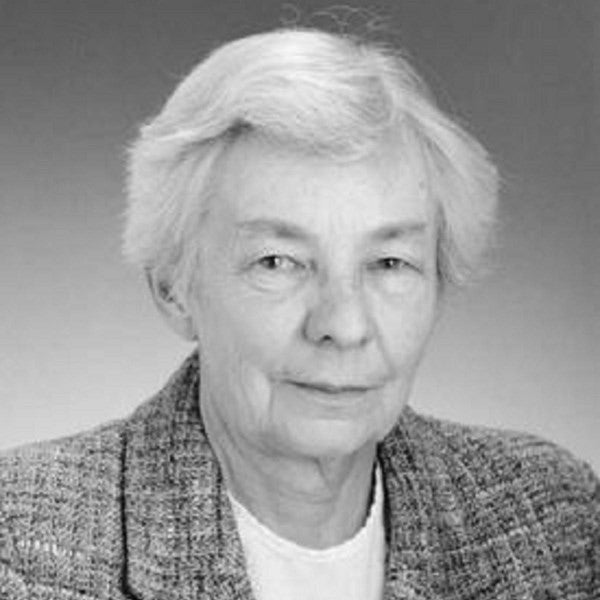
[339, 317]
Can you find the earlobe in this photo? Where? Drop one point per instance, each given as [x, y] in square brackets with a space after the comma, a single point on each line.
[173, 310]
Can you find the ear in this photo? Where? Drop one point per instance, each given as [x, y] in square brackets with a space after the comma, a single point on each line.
[171, 308]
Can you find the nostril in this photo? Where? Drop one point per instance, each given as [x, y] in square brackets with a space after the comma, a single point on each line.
[341, 324]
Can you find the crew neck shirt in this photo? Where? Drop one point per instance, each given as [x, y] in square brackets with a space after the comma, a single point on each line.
[280, 569]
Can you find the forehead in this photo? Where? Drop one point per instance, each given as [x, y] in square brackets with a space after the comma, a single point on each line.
[258, 180]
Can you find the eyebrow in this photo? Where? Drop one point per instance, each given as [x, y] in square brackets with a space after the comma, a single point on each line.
[274, 227]
[283, 229]
[399, 230]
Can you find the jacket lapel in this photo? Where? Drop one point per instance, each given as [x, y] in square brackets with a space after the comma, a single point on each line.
[179, 528]
[409, 521]
[444, 537]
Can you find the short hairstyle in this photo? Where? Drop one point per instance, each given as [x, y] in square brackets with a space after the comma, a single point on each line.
[331, 94]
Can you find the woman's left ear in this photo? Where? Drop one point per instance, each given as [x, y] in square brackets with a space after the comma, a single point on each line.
[173, 310]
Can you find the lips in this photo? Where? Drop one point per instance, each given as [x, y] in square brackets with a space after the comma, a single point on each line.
[331, 388]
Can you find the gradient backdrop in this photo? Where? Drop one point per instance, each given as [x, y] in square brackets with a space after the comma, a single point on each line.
[80, 342]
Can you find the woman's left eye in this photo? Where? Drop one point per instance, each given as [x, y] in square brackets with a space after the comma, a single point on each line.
[389, 263]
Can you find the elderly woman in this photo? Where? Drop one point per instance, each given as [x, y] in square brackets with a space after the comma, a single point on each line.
[300, 206]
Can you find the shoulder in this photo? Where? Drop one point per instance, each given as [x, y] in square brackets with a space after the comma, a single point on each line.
[64, 465]
[64, 451]
[495, 456]
[59, 503]
[63, 502]
[490, 494]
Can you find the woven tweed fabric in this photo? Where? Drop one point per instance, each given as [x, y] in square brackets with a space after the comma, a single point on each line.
[137, 510]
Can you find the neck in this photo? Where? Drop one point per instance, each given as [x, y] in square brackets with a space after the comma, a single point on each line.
[313, 501]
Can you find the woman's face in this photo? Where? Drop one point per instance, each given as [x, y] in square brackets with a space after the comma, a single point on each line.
[315, 296]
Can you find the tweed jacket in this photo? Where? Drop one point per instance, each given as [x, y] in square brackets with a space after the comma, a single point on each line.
[137, 510]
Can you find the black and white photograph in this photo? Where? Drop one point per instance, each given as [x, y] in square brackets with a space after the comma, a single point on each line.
[300, 301]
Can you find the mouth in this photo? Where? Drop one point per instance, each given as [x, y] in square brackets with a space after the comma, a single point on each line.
[331, 389]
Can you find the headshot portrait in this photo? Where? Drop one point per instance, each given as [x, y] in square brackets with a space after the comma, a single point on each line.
[302, 301]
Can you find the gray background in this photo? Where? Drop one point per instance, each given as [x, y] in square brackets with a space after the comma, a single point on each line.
[79, 339]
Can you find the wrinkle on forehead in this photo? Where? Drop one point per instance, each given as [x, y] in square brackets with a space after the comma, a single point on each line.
[270, 189]
[251, 153]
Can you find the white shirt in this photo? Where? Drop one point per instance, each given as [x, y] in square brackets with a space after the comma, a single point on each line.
[282, 570]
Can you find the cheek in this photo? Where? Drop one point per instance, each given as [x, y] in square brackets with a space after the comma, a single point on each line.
[235, 370]
[404, 326]
[242, 328]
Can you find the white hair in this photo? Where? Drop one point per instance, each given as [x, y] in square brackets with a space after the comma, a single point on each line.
[327, 93]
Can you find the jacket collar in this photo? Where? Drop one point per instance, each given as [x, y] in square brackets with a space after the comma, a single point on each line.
[180, 534]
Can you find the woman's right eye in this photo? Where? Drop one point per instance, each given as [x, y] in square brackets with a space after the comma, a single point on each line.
[278, 262]
[273, 272]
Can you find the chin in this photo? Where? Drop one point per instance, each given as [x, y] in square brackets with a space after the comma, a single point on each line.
[328, 438]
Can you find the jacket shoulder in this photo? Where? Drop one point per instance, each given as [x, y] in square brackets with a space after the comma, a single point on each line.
[498, 455]
[60, 504]
[492, 493]
[64, 466]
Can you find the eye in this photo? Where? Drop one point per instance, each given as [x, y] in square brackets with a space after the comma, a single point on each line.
[279, 262]
[276, 272]
[394, 275]
[389, 263]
